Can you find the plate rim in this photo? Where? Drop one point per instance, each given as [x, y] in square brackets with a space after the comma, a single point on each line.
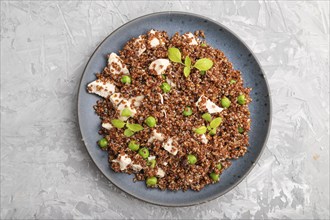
[267, 86]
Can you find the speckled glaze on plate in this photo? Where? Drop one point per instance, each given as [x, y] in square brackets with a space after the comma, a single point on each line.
[236, 51]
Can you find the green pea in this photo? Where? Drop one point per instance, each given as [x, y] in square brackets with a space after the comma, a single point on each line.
[144, 152]
[225, 102]
[202, 73]
[218, 166]
[151, 163]
[151, 121]
[191, 159]
[213, 131]
[241, 99]
[187, 111]
[133, 145]
[214, 176]
[232, 81]
[165, 87]
[103, 143]
[126, 79]
[151, 181]
[126, 112]
[207, 117]
[240, 130]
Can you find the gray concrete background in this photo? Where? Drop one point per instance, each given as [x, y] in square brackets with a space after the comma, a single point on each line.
[45, 170]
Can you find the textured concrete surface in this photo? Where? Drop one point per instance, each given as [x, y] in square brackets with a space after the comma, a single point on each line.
[45, 170]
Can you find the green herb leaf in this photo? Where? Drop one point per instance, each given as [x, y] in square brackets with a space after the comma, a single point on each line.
[213, 131]
[151, 163]
[203, 64]
[232, 81]
[209, 128]
[202, 73]
[187, 62]
[203, 45]
[128, 132]
[207, 117]
[117, 123]
[216, 122]
[174, 54]
[200, 130]
[126, 112]
[240, 130]
[165, 87]
[186, 71]
[134, 127]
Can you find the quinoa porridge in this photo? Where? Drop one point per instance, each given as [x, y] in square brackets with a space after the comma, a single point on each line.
[173, 112]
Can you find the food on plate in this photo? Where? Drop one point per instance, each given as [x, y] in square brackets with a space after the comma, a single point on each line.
[173, 111]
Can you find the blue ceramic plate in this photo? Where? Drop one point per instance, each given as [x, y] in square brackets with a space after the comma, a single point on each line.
[217, 36]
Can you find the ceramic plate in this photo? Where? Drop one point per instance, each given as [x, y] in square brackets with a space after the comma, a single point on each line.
[217, 36]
